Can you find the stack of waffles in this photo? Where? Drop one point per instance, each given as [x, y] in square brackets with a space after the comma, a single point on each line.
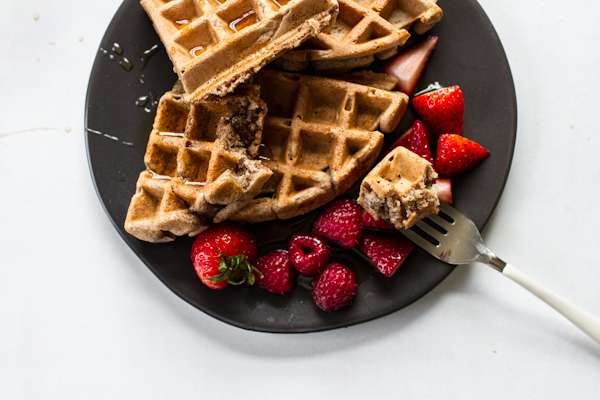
[199, 164]
[364, 29]
[276, 146]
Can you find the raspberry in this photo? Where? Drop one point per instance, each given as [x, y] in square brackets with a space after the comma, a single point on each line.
[308, 253]
[334, 287]
[278, 274]
[340, 222]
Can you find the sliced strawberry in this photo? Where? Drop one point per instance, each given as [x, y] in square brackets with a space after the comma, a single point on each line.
[388, 253]
[442, 109]
[369, 221]
[444, 189]
[408, 66]
[416, 141]
[457, 154]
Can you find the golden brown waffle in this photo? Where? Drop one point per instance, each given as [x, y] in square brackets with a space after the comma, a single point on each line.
[320, 137]
[400, 189]
[364, 29]
[217, 44]
[199, 164]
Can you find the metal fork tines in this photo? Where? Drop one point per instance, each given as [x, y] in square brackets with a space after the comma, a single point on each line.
[452, 237]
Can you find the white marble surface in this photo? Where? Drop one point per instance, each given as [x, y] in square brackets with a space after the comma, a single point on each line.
[82, 318]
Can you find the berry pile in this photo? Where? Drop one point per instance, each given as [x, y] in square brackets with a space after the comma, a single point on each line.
[226, 253]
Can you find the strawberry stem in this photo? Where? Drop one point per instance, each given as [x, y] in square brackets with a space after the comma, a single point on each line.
[432, 87]
[236, 270]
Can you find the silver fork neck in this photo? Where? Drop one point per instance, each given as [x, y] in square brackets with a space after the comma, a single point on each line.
[489, 258]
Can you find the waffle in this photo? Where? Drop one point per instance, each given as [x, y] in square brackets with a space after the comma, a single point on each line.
[400, 189]
[217, 44]
[199, 164]
[364, 29]
[320, 136]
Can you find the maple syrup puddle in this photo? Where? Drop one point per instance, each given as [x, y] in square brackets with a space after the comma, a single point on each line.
[247, 19]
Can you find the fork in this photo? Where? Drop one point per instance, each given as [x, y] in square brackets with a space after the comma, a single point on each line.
[453, 238]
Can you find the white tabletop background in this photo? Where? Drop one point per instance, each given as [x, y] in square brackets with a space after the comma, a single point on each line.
[81, 317]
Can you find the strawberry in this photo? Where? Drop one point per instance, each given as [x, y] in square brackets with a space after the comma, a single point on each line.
[457, 154]
[334, 287]
[387, 253]
[416, 141]
[444, 189]
[369, 221]
[408, 66]
[276, 272]
[308, 253]
[223, 254]
[340, 222]
[442, 109]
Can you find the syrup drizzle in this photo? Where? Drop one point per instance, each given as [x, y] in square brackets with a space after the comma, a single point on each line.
[247, 19]
[173, 134]
[157, 176]
[151, 97]
[116, 139]
[182, 23]
[146, 54]
[125, 63]
[116, 47]
[196, 51]
[43, 128]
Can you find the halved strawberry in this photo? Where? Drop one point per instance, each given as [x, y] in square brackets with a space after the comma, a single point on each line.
[416, 140]
[442, 109]
[388, 253]
[369, 221]
[457, 154]
[408, 66]
[444, 189]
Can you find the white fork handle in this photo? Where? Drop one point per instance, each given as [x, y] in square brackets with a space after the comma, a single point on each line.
[582, 319]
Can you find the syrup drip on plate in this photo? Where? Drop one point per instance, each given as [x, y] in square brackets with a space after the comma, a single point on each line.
[146, 54]
[151, 100]
[116, 47]
[116, 139]
[125, 63]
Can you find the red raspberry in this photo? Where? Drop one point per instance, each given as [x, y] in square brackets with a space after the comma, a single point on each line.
[278, 274]
[340, 222]
[308, 253]
[334, 287]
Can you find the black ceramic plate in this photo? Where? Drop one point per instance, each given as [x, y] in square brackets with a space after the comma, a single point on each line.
[468, 54]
